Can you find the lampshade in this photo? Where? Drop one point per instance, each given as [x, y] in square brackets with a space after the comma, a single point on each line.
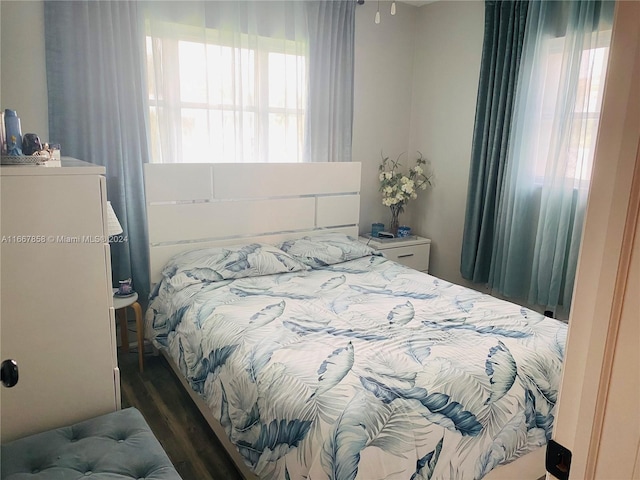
[113, 225]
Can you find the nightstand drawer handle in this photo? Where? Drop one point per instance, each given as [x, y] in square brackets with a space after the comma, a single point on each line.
[405, 255]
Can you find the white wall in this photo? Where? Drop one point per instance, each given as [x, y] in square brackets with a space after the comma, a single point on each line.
[448, 49]
[23, 80]
[384, 56]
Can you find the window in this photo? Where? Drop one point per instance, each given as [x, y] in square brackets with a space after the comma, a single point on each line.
[582, 128]
[226, 100]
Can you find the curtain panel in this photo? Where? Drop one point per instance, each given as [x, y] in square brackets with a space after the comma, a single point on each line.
[97, 110]
[228, 80]
[501, 53]
[528, 192]
[331, 75]
[250, 81]
[551, 151]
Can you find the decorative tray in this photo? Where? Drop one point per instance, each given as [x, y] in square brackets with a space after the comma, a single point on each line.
[23, 159]
[124, 295]
[390, 240]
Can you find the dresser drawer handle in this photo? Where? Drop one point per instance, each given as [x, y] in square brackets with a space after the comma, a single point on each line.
[405, 255]
[9, 373]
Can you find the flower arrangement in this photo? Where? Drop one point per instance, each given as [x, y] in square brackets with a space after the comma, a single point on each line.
[397, 188]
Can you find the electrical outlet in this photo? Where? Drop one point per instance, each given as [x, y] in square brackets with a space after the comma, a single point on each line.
[558, 460]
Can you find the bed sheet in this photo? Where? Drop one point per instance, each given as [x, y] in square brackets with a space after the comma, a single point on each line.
[364, 370]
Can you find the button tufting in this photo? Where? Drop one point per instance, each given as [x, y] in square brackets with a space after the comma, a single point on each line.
[82, 460]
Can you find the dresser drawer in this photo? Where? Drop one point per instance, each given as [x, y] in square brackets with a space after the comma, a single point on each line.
[413, 256]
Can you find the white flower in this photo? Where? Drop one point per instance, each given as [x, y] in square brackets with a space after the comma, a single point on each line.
[396, 187]
[408, 186]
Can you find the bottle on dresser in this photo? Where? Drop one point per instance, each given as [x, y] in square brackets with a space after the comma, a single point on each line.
[13, 132]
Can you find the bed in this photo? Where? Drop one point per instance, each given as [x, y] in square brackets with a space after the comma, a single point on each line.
[314, 357]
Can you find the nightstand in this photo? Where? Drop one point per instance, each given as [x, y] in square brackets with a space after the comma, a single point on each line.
[120, 305]
[412, 251]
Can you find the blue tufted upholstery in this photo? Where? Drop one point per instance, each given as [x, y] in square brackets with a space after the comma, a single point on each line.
[119, 445]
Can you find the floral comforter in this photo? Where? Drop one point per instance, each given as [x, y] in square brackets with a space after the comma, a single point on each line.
[364, 369]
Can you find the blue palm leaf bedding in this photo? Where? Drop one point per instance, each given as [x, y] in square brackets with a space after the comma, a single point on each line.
[363, 369]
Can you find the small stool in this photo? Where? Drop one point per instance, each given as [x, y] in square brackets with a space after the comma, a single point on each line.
[120, 305]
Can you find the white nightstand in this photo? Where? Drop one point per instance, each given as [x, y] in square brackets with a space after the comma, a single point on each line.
[120, 305]
[411, 251]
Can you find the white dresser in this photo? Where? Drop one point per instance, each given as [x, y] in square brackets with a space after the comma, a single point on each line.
[412, 251]
[56, 309]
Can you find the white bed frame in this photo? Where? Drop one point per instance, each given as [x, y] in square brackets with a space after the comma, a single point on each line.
[198, 205]
[203, 205]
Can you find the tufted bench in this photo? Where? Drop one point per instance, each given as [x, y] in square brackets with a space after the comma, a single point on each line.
[118, 445]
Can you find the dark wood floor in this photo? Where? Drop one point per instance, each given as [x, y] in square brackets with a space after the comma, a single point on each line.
[174, 419]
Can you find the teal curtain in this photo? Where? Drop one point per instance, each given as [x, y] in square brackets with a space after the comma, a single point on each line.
[504, 31]
[542, 203]
[97, 110]
[528, 189]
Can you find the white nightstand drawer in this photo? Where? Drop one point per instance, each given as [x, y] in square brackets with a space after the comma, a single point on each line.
[413, 256]
[412, 252]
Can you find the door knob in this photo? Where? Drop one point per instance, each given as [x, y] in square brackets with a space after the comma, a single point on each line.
[9, 373]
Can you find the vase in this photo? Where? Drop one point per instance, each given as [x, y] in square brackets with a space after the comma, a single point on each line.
[395, 222]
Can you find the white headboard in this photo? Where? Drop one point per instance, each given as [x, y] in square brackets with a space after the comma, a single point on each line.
[197, 205]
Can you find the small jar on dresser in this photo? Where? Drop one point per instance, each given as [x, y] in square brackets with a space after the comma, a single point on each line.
[412, 251]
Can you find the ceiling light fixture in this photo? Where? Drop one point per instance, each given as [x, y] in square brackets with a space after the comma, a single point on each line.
[393, 8]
